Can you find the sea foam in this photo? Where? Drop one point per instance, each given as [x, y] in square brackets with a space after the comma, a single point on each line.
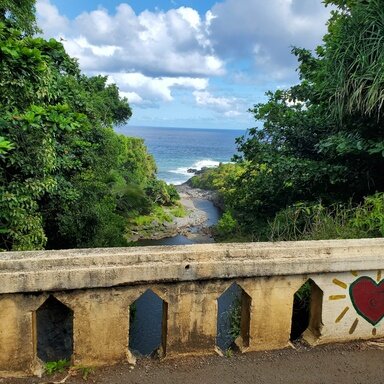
[198, 165]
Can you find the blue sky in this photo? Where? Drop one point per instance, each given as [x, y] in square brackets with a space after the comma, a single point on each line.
[72, 8]
[196, 63]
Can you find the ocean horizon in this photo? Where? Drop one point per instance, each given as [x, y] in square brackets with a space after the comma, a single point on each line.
[178, 149]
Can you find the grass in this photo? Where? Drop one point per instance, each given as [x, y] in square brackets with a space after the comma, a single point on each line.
[158, 214]
[338, 221]
[178, 211]
[58, 366]
[144, 226]
[85, 371]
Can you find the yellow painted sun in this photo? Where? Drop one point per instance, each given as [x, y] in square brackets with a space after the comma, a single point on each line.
[366, 296]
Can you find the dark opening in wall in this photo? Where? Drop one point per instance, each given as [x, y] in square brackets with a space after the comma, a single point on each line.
[54, 330]
[233, 318]
[148, 325]
[307, 310]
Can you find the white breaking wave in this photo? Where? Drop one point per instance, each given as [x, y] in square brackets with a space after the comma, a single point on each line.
[198, 165]
[176, 181]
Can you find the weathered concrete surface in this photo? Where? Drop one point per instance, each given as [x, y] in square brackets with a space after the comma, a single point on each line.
[100, 285]
[271, 310]
[342, 318]
[18, 334]
[93, 268]
[192, 318]
[101, 325]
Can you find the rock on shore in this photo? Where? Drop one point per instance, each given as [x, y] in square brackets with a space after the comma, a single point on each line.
[196, 193]
[191, 226]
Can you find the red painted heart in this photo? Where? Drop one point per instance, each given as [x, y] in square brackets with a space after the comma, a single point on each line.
[367, 297]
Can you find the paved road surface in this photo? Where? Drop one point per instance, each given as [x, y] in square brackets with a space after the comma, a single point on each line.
[344, 363]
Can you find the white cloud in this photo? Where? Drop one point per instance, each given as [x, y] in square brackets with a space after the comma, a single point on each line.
[80, 44]
[132, 97]
[173, 43]
[155, 89]
[266, 31]
[232, 114]
[49, 17]
[229, 106]
[206, 98]
[191, 16]
[151, 55]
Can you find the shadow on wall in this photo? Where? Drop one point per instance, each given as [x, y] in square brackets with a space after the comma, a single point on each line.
[306, 311]
[54, 326]
[233, 319]
[147, 325]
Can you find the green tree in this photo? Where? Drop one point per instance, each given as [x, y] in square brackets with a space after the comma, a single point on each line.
[5, 146]
[21, 13]
[66, 178]
[323, 138]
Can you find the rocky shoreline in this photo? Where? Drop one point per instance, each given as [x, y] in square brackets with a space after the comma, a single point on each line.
[191, 226]
[185, 189]
[194, 227]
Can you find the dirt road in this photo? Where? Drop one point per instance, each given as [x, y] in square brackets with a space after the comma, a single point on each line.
[342, 364]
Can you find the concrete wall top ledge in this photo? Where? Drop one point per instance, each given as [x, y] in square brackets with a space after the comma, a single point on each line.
[107, 267]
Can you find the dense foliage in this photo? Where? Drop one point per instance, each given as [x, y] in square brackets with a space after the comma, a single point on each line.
[222, 179]
[21, 13]
[322, 141]
[336, 221]
[66, 178]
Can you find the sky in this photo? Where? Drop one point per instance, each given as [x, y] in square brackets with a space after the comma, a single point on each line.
[188, 63]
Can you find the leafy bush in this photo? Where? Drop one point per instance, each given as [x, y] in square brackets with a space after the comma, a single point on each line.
[337, 221]
[160, 193]
[369, 216]
[157, 215]
[227, 225]
[235, 319]
[221, 178]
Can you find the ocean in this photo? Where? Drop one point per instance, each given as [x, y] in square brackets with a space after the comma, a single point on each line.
[178, 149]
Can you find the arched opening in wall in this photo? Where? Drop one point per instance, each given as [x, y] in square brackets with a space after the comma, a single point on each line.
[307, 310]
[148, 325]
[233, 319]
[54, 331]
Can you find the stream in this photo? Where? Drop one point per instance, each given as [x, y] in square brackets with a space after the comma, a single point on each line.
[213, 214]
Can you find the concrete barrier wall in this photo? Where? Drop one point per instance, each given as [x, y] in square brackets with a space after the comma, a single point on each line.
[98, 286]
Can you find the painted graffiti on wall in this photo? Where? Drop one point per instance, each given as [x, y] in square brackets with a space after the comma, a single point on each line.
[366, 295]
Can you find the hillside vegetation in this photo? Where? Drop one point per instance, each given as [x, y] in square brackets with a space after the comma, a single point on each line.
[315, 168]
[66, 178]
